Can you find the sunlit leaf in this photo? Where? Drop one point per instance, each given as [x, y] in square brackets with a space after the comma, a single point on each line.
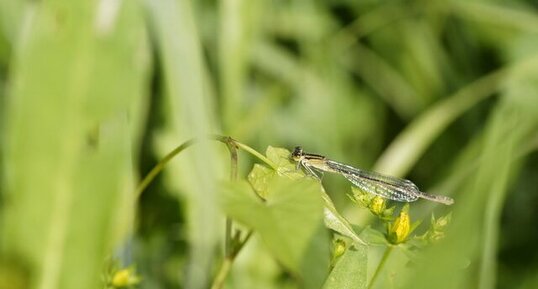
[288, 221]
[336, 222]
[281, 157]
[259, 177]
[350, 270]
[373, 237]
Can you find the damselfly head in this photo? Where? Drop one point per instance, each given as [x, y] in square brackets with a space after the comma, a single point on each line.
[297, 154]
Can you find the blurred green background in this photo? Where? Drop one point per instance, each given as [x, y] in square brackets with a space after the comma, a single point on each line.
[94, 93]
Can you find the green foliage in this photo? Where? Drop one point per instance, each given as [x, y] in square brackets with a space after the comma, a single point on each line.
[73, 111]
[116, 277]
[350, 270]
[288, 220]
[261, 176]
[94, 93]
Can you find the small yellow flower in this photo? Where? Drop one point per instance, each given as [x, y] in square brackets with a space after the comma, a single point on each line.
[400, 229]
[125, 277]
[377, 205]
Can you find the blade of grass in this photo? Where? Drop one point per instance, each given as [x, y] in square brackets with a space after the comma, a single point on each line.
[473, 237]
[367, 23]
[465, 239]
[11, 18]
[519, 119]
[233, 53]
[190, 112]
[394, 89]
[407, 148]
[496, 15]
[68, 143]
[410, 144]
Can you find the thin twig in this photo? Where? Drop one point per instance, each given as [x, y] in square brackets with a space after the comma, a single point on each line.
[160, 166]
[224, 139]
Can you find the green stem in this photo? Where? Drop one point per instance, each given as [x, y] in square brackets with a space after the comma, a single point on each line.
[226, 265]
[230, 141]
[231, 248]
[224, 269]
[228, 236]
[256, 154]
[232, 147]
[223, 139]
[380, 266]
[160, 166]
[242, 244]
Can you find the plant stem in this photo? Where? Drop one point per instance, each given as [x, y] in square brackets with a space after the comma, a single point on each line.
[222, 273]
[228, 236]
[226, 265]
[224, 139]
[232, 147]
[256, 154]
[380, 266]
[232, 247]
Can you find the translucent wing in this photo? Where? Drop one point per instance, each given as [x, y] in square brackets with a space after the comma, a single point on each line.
[384, 186]
[387, 191]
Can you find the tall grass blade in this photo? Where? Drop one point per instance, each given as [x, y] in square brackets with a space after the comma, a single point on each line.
[68, 143]
[190, 111]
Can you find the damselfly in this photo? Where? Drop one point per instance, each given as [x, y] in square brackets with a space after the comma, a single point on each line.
[375, 183]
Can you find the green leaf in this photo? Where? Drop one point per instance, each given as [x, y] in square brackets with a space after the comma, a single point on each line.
[281, 158]
[350, 270]
[76, 79]
[373, 237]
[289, 221]
[259, 178]
[337, 223]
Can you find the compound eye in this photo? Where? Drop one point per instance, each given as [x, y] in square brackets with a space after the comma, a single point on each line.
[297, 153]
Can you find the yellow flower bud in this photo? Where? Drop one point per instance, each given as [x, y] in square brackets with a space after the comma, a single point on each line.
[339, 248]
[377, 205]
[400, 229]
[121, 278]
[124, 277]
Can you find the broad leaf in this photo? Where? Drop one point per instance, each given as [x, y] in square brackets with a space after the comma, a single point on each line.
[337, 223]
[333, 220]
[350, 270]
[259, 178]
[289, 221]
